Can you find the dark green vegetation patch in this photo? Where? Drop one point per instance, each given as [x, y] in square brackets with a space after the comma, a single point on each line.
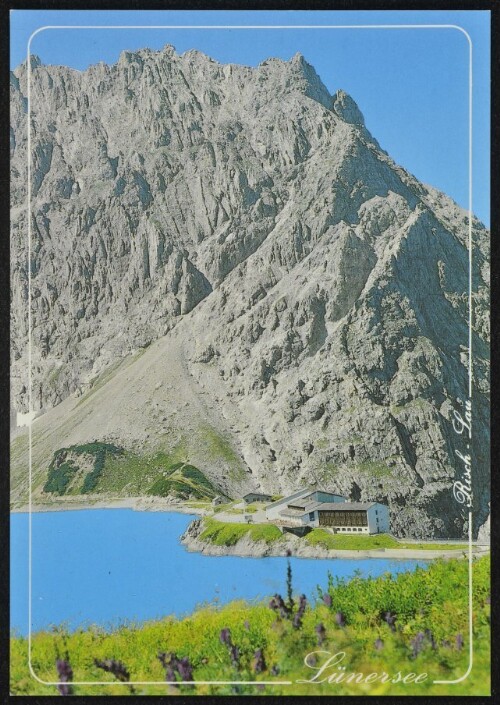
[183, 480]
[121, 472]
[64, 466]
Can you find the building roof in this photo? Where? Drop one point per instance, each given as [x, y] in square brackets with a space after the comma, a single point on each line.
[301, 495]
[256, 494]
[309, 507]
[305, 500]
[346, 506]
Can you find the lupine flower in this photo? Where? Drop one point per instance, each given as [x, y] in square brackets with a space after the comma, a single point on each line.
[65, 673]
[117, 668]
[320, 631]
[302, 603]
[259, 663]
[459, 642]
[297, 620]
[170, 673]
[278, 605]
[417, 644]
[379, 644]
[289, 586]
[340, 619]
[185, 669]
[246, 624]
[327, 599]
[275, 670]
[390, 618]
[171, 664]
[225, 636]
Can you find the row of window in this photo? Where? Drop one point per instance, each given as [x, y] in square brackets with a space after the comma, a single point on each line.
[349, 518]
[350, 528]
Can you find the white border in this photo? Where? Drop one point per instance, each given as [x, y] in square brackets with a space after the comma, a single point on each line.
[240, 27]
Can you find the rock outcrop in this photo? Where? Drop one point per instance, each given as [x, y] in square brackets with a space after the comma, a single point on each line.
[316, 292]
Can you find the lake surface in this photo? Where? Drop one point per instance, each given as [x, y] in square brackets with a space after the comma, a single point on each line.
[112, 566]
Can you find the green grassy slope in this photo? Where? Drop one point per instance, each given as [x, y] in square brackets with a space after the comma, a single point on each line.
[105, 468]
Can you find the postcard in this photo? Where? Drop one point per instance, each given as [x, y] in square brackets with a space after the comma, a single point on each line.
[250, 353]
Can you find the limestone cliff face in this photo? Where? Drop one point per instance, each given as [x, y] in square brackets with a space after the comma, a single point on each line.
[322, 290]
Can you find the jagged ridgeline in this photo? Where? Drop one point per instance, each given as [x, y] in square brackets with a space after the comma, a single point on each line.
[228, 269]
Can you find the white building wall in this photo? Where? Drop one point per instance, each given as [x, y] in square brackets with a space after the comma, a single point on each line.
[378, 519]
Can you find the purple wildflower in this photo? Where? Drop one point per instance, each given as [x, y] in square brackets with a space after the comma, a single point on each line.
[459, 642]
[275, 670]
[340, 619]
[488, 600]
[225, 636]
[302, 603]
[184, 669]
[246, 624]
[379, 644]
[259, 663]
[169, 663]
[289, 586]
[172, 664]
[117, 668]
[417, 644]
[65, 673]
[327, 599]
[321, 632]
[170, 673]
[278, 605]
[297, 620]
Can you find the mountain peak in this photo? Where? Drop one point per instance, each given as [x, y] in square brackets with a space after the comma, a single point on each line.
[346, 108]
[35, 61]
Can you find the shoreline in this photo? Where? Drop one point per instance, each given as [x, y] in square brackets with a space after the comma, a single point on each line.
[248, 548]
[137, 504]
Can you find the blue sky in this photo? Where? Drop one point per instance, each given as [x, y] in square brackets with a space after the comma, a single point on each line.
[411, 84]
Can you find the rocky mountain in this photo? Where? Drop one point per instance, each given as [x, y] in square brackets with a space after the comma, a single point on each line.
[225, 263]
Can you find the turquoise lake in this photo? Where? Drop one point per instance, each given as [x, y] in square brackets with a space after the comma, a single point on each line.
[113, 566]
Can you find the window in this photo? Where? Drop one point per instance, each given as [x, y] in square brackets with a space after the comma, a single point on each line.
[311, 516]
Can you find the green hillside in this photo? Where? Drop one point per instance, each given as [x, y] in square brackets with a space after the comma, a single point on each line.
[105, 468]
